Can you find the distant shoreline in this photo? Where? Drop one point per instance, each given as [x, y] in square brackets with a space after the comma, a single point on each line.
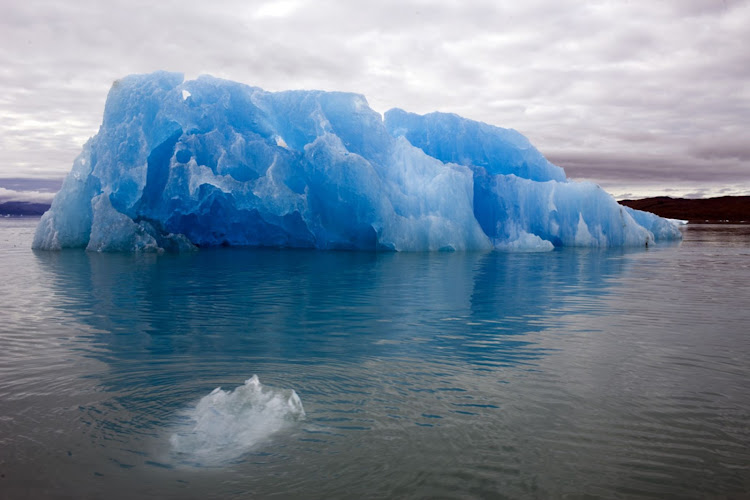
[22, 208]
[722, 210]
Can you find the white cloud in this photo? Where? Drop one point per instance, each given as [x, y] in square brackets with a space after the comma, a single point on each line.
[276, 9]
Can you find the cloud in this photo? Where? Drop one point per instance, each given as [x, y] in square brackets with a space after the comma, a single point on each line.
[645, 167]
[32, 196]
[31, 184]
[654, 83]
[719, 148]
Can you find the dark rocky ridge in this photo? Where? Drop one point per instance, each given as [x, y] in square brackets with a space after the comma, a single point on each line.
[725, 209]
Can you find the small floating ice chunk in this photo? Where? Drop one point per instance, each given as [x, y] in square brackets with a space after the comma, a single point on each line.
[225, 424]
[678, 222]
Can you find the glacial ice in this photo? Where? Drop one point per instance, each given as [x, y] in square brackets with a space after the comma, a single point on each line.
[183, 164]
[226, 424]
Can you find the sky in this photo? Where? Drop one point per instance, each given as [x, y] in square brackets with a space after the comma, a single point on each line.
[643, 97]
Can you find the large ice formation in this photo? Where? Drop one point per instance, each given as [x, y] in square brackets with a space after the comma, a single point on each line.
[178, 164]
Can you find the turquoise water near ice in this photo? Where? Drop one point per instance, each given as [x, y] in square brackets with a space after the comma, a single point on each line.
[591, 374]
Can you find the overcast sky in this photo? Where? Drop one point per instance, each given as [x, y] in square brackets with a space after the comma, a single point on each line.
[643, 97]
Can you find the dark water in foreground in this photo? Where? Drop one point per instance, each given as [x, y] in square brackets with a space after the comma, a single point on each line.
[578, 374]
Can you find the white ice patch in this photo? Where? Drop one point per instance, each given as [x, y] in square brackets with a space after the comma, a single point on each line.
[185, 95]
[281, 142]
[525, 242]
[678, 222]
[583, 235]
[225, 424]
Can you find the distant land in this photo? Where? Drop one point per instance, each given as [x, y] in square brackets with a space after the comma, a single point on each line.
[25, 208]
[725, 209]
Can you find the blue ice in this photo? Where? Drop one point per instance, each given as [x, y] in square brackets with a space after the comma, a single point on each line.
[183, 164]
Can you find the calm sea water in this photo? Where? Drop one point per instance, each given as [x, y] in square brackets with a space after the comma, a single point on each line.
[577, 374]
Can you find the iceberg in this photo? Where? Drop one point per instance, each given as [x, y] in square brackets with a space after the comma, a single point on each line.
[180, 164]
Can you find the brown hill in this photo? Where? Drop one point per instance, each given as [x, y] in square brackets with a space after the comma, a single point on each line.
[725, 209]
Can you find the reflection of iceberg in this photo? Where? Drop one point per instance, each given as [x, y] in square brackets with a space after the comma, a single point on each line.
[260, 305]
[225, 424]
[211, 162]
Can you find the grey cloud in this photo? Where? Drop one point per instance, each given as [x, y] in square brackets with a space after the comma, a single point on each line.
[595, 83]
[32, 196]
[640, 166]
[702, 7]
[721, 148]
[26, 184]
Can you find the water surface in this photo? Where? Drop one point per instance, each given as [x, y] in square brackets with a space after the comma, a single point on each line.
[591, 374]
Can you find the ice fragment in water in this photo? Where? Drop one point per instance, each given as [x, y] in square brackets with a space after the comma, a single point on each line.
[226, 424]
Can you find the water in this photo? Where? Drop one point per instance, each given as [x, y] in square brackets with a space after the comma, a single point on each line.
[579, 374]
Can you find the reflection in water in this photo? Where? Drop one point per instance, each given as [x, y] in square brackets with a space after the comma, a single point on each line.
[302, 306]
